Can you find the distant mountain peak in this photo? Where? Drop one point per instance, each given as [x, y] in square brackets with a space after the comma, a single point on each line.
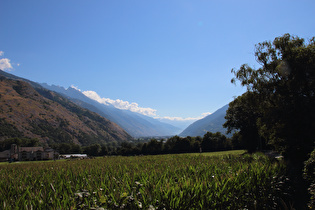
[211, 123]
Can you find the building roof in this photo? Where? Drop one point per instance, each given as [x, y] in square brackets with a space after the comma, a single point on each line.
[31, 149]
[49, 150]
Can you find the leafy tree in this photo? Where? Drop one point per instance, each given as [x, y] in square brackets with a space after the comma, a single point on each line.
[126, 148]
[104, 150]
[284, 86]
[195, 143]
[213, 142]
[63, 148]
[22, 142]
[236, 141]
[242, 115]
[182, 145]
[154, 147]
[92, 150]
[76, 149]
[169, 145]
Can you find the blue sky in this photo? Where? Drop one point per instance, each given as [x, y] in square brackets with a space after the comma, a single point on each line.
[167, 58]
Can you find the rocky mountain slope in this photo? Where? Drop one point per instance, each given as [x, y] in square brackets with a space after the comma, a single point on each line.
[28, 110]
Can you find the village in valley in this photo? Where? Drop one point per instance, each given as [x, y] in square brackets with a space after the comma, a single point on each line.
[17, 153]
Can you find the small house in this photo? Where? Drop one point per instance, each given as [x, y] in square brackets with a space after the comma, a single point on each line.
[28, 153]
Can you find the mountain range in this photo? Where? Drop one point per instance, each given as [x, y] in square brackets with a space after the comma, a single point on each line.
[29, 111]
[133, 124]
[137, 125]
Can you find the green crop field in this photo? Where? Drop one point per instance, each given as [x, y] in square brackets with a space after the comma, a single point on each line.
[186, 181]
[230, 152]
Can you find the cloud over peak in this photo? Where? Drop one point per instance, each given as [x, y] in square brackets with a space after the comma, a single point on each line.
[205, 114]
[134, 107]
[120, 104]
[5, 64]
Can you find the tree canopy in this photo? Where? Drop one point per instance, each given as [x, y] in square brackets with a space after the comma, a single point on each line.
[279, 104]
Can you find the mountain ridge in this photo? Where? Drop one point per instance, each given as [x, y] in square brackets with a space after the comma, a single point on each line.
[211, 123]
[137, 125]
[31, 111]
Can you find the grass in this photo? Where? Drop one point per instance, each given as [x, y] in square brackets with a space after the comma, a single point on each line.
[186, 181]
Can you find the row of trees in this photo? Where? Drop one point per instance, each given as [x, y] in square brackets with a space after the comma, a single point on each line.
[208, 143]
[22, 142]
[174, 145]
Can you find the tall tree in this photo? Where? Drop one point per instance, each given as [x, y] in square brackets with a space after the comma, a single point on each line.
[285, 88]
[242, 115]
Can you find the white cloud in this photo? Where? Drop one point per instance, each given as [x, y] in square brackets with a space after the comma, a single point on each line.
[185, 119]
[205, 114]
[120, 104]
[75, 87]
[134, 107]
[5, 64]
[179, 118]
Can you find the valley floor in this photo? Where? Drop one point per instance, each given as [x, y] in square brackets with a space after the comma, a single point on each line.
[208, 181]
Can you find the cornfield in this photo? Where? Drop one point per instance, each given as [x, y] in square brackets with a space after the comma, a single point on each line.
[145, 182]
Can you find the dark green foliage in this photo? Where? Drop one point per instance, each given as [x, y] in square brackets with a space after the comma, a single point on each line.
[214, 142]
[67, 148]
[279, 105]
[173, 145]
[22, 142]
[183, 145]
[55, 134]
[8, 130]
[243, 115]
[309, 167]
[92, 150]
[170, 144]
[153, 147]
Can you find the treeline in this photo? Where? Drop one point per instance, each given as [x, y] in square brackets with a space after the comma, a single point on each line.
[208, 143]
[175, 145]
[22, 142]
